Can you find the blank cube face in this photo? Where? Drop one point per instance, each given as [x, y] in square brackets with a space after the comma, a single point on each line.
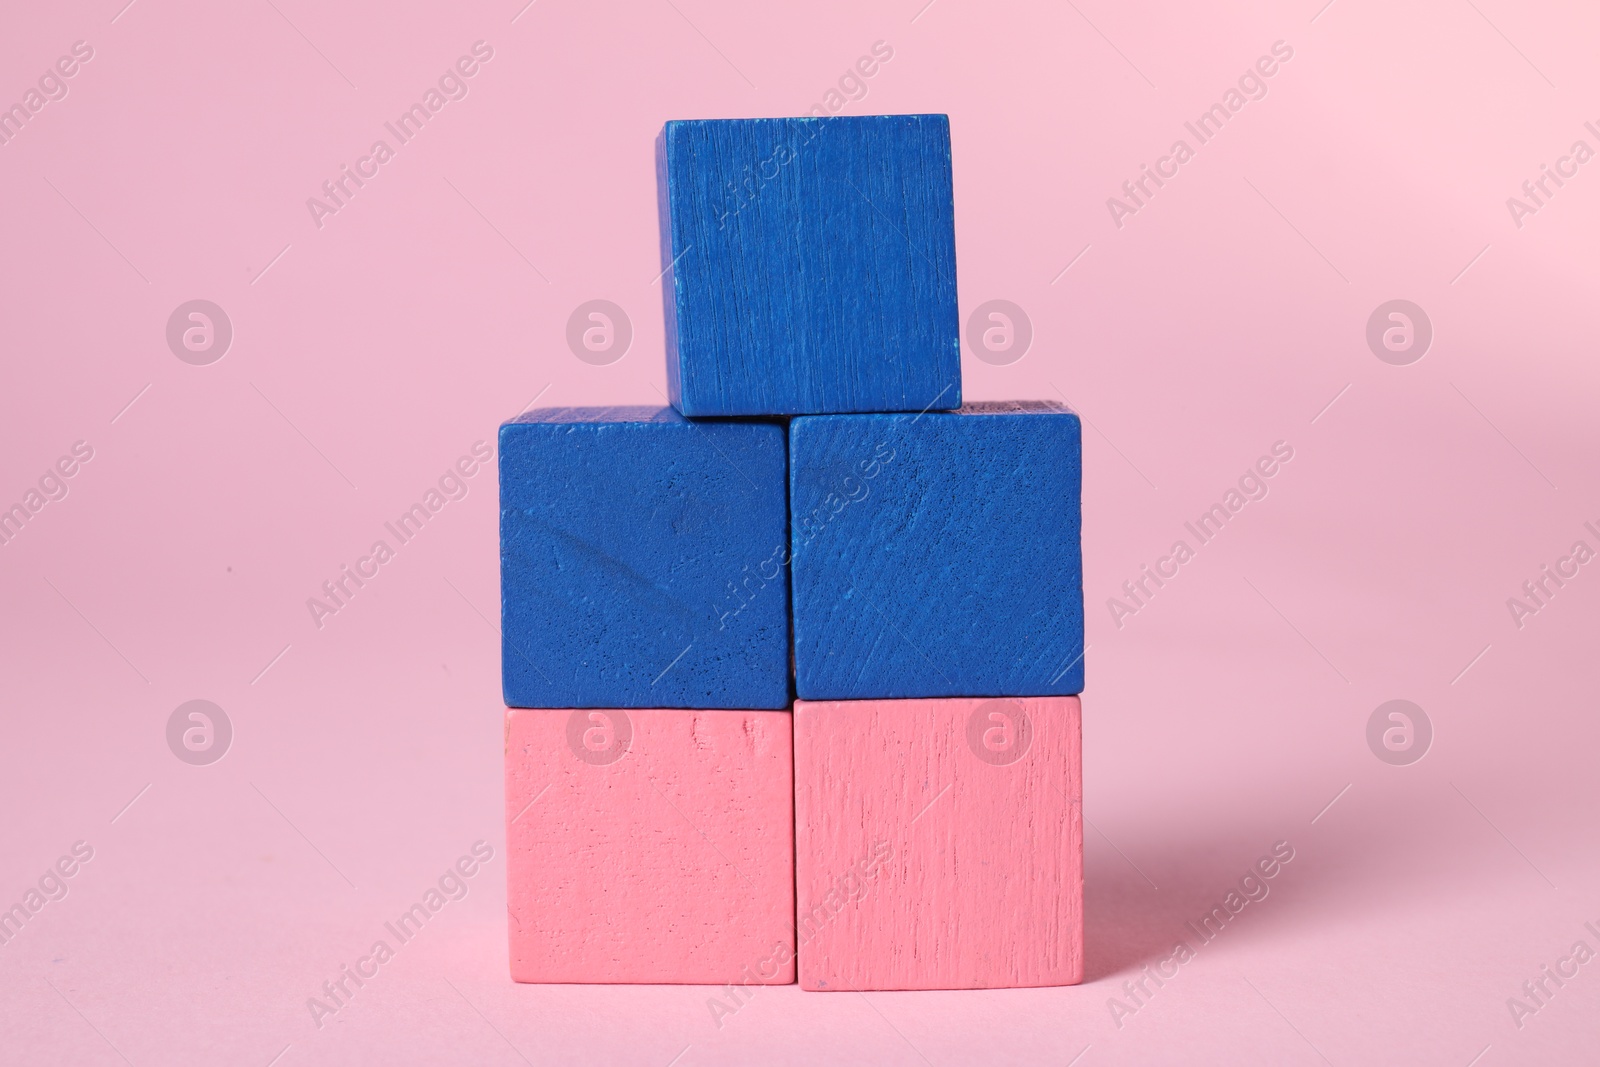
[642, 561]
[939, 843]
[810, 265]
[937, 554]
[650, 846]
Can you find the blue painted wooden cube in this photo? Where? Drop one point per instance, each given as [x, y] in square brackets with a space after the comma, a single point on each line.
[810, 265]
[937, 555]
[641, 561]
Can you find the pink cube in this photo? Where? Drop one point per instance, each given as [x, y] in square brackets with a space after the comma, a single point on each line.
[939, 843]
[651, 846]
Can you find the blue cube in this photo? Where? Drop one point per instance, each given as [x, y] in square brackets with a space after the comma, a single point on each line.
[809, 265]
[937, 555]
[642, 561]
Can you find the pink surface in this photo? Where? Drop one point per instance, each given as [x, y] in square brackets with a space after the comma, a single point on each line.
[939, 843]
[649, 845]
[1229, 313]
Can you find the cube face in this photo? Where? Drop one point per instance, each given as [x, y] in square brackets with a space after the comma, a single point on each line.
[939, 843]
[809, 265]
[937, 554]
[641, 561]
[649, 845]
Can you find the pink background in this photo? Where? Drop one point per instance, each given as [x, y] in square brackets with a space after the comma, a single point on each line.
[369, 354]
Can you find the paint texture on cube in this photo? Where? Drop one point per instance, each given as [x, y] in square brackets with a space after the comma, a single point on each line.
[649, 846]
[627, 536]
[809, 265]
[937, 554]
[939, 843]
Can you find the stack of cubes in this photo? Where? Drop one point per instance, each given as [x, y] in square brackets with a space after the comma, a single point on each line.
[791, 667]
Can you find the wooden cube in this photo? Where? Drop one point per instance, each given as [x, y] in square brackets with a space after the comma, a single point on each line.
[649, 845]
[641, 561]
[937, 554]
[939, 843]
[809, 265]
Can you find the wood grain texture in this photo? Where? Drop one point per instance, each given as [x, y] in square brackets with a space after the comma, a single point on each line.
[664, 854]
[810, 265]
[622, 534]
[937, 554]
[939, 843]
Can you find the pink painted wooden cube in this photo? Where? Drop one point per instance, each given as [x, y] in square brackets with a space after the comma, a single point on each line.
[651, 846]
[939, 843]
